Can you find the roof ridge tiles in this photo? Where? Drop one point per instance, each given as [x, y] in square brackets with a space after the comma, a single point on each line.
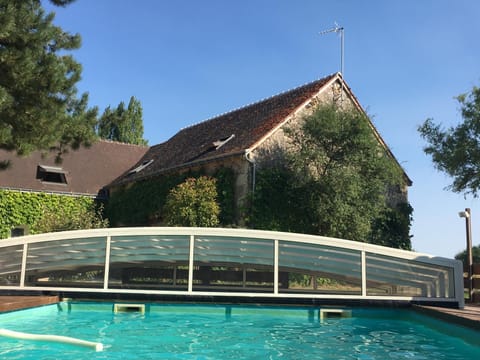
[259, 101]
[119, 143]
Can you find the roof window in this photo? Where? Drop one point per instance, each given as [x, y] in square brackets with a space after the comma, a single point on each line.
[219, 143]
[142, 166]
[51, 174]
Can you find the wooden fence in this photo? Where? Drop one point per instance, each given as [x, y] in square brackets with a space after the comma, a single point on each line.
[475, 283]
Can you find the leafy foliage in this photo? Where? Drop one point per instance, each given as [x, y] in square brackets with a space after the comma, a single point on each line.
[280, 202]
[142, 203]
[456, 150]
[225, 179]
[334, 182]
[475, 255]
[123, 125]
[45, 212]
[88, 216]
[39, 109]
[193, 203]
[392, 227]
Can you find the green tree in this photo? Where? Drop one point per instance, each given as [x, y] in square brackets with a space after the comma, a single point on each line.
[39, 108]
[334, 182]
[392, 227]
[475, 255]
[123, 125]
[193, 203]
[456, 150]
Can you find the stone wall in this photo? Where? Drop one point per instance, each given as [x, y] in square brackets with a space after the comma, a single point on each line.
[272, 149]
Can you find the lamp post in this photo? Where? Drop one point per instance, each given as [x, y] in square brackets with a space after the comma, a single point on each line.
[468, 226]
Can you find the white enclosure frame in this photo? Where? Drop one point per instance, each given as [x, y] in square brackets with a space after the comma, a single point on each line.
[443, 277]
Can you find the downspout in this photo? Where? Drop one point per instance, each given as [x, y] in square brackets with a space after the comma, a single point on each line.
[254, 169]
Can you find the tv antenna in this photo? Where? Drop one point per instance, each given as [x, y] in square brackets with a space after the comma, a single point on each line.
[339, 30]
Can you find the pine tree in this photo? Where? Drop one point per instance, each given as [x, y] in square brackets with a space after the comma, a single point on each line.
[39, 108]
[123, 125]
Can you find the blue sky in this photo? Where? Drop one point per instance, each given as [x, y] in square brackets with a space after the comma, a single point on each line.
[187, 61]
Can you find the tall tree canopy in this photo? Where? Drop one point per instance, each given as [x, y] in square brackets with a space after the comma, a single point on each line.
[475, 255]
[39, 108]
[456, 150]
[123, 125]
[334, 182]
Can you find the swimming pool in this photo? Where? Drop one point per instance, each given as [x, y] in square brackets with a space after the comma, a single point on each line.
[169, 331]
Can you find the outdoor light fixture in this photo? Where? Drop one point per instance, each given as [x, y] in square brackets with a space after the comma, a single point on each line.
[468, 226]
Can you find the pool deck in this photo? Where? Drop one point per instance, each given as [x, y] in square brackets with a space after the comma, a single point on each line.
[11, 303]
[469, 316]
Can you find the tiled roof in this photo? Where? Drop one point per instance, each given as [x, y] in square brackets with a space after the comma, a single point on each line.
[243, 128]
[87, 170]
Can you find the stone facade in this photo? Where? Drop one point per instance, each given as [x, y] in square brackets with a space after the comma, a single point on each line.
[250, 137]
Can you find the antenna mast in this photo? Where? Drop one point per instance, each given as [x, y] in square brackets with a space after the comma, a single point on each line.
[339, 30]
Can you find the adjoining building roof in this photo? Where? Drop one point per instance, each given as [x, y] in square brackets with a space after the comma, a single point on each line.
[227, 134]
[85, 171]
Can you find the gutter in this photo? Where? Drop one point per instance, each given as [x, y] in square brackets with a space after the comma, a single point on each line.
[52, 192]
[171, 169]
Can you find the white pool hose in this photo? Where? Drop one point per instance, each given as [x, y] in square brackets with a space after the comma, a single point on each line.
[52, 338]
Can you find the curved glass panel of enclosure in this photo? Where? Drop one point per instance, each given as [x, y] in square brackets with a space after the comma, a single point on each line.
[232, 263]
[389, 276]
[10, 265]
[224, 262]
[312, 268]
[149, 262]
[76, 262]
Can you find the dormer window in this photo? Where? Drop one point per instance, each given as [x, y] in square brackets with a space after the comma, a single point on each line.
[219, 143]
[51, 174]
[142, 166]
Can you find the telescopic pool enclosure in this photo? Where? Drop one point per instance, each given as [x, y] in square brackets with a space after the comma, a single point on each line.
[225, 263]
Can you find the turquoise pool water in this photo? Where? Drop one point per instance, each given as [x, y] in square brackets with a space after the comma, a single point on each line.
[235, 332]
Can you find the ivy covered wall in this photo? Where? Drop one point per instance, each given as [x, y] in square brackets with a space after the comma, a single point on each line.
[26, 208]
[137, 205]
[141, 203]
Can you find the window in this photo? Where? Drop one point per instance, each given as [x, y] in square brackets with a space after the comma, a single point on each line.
[21, 230]
[51, 174]
[142, 166]
[219, 143]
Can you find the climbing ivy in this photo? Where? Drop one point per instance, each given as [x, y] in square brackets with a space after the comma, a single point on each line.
[31, 209]
[225, 195]
[141, 203]
[138, 204]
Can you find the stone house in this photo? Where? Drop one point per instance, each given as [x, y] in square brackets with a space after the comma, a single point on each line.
[238, 140]
[241, 138]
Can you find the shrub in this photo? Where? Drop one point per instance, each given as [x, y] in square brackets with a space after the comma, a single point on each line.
[193, 203]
